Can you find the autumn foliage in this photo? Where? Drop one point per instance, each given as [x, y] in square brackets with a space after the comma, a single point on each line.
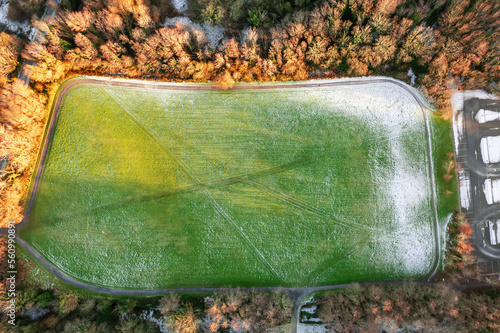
[460, 259]
[247, 311]
[233, 310]
[437, 308]
[447, 44]
[9, 49]
[22, 116]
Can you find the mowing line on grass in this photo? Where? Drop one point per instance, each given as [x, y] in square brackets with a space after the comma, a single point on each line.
[218, 183]
[297, 203]
[285, 198]
[224, 214]
[191, 175]
[323, 267]
[152, 135]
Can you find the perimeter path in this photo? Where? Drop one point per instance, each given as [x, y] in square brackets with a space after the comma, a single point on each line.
[297, 294]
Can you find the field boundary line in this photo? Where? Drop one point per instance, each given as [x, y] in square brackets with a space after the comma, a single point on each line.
[297, 293]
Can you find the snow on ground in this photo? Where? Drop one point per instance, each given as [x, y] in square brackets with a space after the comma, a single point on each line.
[458, 129]
[484, 116]
[491, 189]
[464, 180]
[203, 33]
[180, 5]
[393, 114]
[305, 328]
[412, 76]
[458, 98]
[457, 103]
[310, 310]
[149, 315]
[494, 229]
[490, 149]
[403, 191]
[34, 313]
[14, 26]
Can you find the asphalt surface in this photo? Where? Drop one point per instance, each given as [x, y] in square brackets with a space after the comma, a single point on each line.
[297, 294]
[480, 212]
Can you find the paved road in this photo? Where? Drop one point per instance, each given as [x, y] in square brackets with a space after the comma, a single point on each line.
[297, 294]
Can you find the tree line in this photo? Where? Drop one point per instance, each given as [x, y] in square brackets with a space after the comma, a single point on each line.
[448, 44]
[22, 117]
[415, 307]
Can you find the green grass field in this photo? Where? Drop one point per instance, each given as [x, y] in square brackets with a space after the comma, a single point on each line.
[310, 186]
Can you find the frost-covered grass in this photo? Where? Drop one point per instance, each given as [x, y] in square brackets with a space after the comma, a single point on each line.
[310, 186]
[37, 275]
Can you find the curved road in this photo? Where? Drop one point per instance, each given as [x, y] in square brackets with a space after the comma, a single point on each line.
[297, 294]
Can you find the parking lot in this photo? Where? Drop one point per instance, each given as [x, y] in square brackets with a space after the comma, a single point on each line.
[477, 147]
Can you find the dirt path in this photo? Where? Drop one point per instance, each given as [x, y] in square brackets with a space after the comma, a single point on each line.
[297, 294]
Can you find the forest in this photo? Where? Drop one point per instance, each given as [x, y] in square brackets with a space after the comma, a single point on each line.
[437, 308]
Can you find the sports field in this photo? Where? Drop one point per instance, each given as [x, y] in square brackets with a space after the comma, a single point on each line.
[148, 188]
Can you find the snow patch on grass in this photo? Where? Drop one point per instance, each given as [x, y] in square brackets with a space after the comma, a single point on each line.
[399, 231]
